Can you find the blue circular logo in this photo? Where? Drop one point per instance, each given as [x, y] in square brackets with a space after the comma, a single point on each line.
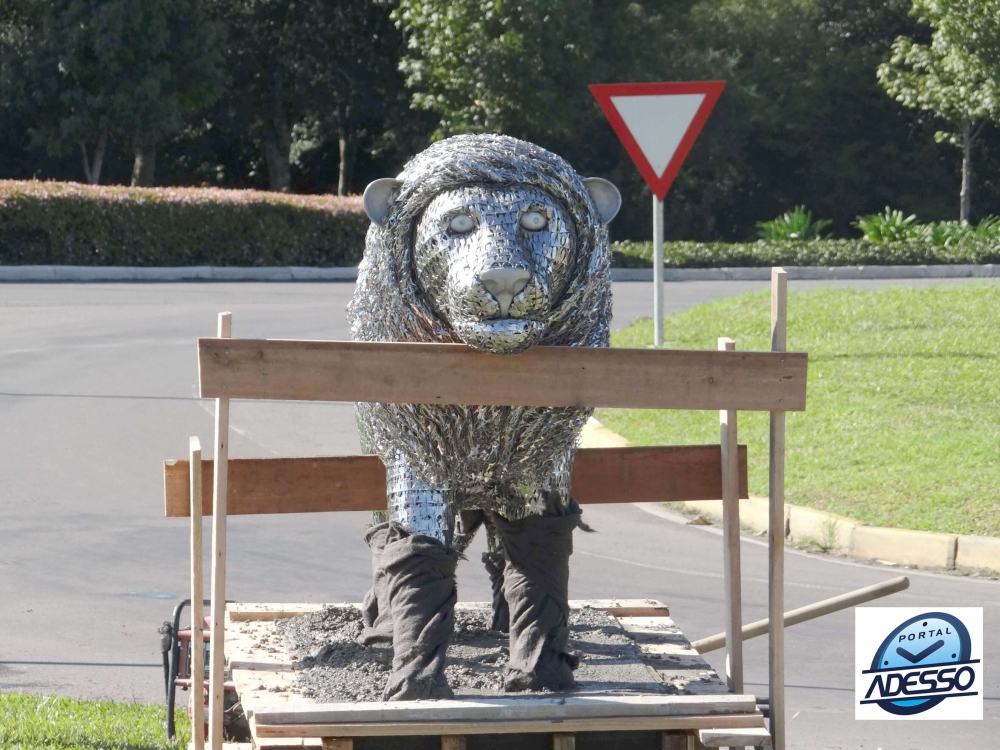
[933, 639]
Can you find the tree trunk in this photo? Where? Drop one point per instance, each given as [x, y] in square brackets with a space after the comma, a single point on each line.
[276, 155]
[144, 166]
[92, 171]
[965, 208]
[346, 164]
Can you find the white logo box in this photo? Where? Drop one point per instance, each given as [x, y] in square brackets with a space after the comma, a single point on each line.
[929, 663]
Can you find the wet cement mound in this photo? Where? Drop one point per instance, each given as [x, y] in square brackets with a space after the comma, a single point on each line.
[334, 667]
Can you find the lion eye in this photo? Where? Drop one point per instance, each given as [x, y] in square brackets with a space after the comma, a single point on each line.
[462, 223]
[534, 220]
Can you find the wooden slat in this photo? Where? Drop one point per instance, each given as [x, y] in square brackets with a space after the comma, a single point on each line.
[515, 726]
[340, 483]
[507, 709]
[541, 376]
[261, 612]
[776, 525]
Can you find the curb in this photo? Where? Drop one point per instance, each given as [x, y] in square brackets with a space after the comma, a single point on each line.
[94, 274]
[839, 533]
[804, 273]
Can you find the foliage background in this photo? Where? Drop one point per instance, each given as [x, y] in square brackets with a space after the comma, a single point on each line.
[803, 119]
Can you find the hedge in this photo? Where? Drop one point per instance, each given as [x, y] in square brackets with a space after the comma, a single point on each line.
[61, 223]
[803, 253]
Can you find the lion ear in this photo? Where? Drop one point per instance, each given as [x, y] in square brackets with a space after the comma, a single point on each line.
[377, 196]
[605, 195]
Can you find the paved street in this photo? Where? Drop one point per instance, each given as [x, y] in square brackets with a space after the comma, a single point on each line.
[98, 386]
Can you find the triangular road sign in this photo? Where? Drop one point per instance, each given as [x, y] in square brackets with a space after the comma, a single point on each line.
[658, 123]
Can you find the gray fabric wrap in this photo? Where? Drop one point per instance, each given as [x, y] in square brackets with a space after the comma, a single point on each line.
[412, 602]
[495, 564]
[536, 587]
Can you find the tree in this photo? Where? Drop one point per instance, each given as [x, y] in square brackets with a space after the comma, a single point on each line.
[308, 71]
[91, 71]
[956, 76]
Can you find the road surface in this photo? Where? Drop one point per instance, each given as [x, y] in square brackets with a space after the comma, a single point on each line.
[98, 386]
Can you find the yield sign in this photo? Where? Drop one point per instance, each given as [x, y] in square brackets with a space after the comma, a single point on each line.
[658, 123]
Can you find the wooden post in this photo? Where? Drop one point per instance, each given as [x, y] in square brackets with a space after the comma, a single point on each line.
[197, 597]
[731, 539]
[673, 741]
[216, 679]
[452, 742]
[338, 743]
[776, 537]
[564, 741]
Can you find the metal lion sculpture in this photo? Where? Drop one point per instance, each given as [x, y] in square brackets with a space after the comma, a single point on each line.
[496, 243]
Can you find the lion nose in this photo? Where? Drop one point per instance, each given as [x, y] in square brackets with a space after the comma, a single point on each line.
[505, 284]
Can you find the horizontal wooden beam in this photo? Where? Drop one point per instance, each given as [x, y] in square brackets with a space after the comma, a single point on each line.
[488, 708]
[264, 612]
[341, 483]
[541, 376]
[506, 726]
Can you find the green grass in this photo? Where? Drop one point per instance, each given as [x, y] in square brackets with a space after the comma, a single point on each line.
[35, 722]
[902, 420]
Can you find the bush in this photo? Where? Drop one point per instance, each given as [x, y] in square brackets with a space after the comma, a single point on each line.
[796, 224]
[63, 223]
[891, 226]
[811, 253]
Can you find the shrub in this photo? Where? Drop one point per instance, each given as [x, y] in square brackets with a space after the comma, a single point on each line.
[889, 226]
[796, 224]
[813, 253]
[72, 224]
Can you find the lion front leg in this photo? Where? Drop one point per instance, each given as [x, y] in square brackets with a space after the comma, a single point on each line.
[412, 601]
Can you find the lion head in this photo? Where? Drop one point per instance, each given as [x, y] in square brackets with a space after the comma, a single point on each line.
[489, 241]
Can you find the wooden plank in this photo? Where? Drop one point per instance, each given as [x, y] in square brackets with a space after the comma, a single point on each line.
[757, 737]
[216, 696]
[610, 724]
[563, 741]
[776, 537]
[345, 483]
[197, 603]
[344, 743]
[665, 649]
[731, 541]
[508, 709]
[254, 612]
[541, 376]
[453, 742]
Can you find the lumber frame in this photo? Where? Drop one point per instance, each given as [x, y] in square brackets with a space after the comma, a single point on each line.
[197, 603]
[731, 541]
[216, 683]
[343, 483]
[776, 525]
[544, 376]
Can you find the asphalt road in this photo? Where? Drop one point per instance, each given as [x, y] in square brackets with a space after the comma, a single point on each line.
[97, 387]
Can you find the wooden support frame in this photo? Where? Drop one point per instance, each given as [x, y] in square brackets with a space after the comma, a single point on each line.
[726, 380]
[776, 525]
[342, 483]
[542, 376]
[197, 603]
[731, 540]
[216, 697]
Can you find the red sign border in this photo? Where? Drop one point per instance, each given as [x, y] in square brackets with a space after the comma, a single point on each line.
[604, 91]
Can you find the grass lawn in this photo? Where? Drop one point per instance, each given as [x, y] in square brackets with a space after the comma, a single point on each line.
[902, 420]
[36, 722]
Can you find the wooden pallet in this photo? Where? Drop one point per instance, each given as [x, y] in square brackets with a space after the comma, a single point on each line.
[694, 696]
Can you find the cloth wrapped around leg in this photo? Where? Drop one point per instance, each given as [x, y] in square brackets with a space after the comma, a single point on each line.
[536, 586]
[413, 601]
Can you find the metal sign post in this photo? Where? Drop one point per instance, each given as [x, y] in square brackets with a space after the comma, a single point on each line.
[658, 124]
[657, 271]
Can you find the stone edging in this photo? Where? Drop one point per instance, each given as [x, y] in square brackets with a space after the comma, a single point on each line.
[839, 533]
[55, 274]
[821, 273]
